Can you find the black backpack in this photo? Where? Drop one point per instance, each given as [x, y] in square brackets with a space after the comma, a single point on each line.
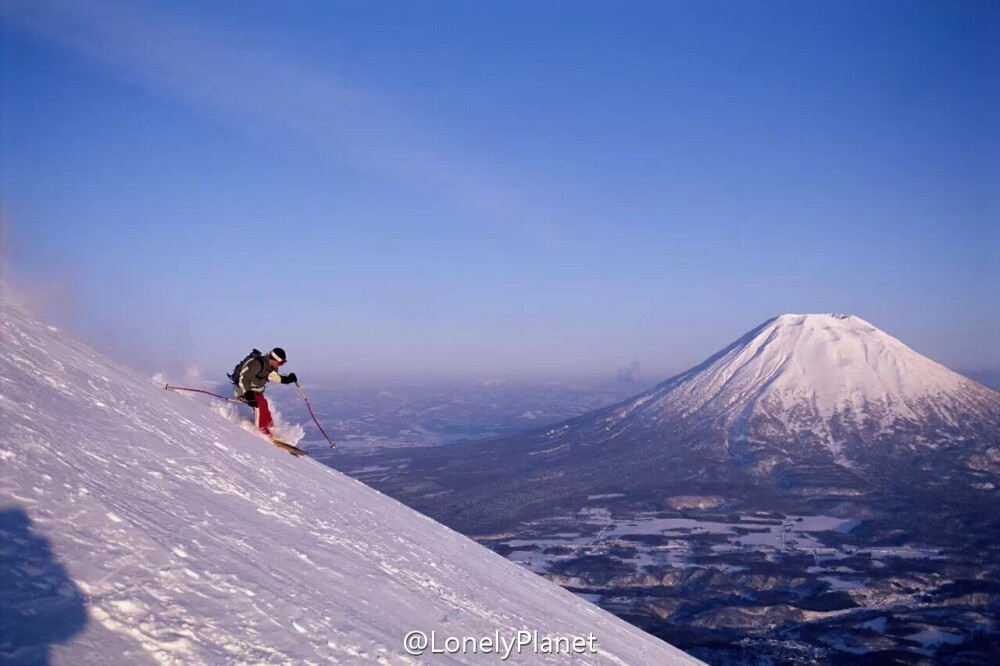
[235, 377]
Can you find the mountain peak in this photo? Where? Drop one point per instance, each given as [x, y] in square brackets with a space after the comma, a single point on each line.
[825, 376]
[816, 319]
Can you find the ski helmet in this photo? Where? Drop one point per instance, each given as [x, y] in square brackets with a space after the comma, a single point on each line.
[278, 354]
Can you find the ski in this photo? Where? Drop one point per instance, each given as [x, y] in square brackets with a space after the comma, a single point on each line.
[294, 450]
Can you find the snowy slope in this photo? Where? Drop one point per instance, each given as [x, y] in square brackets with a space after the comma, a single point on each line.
[138, 526]
[834, 361]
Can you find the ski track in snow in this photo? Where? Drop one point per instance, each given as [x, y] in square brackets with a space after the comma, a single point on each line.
[189, 540]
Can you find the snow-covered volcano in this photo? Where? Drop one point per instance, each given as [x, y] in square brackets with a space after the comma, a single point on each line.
[138, 526]
[803, 406]
[830, 379]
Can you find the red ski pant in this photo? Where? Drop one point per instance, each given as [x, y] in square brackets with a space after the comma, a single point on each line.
[262, 415]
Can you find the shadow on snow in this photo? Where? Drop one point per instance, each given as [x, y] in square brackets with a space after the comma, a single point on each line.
[40, 606]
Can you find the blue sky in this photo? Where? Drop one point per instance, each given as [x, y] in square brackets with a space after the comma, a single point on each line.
[445, 189]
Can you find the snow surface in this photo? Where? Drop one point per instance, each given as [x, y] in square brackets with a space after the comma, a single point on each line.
[833, 360]
[139, 526]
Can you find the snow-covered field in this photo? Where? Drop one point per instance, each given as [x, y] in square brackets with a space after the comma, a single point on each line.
[140, 526]
[789, 534]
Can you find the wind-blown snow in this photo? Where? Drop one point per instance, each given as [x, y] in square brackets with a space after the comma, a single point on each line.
[286, 432]
[139, 526]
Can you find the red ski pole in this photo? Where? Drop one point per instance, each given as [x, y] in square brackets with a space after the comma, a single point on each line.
[192, 390]
[309, 407]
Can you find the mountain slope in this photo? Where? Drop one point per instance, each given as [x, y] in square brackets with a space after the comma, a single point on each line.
[829, 378]
[139, 523]
[803, 409]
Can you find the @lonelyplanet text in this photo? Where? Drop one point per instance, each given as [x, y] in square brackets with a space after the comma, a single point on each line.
[504, 645]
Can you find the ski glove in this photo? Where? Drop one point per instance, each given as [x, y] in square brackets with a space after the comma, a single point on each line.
[290, 378]
[251, 399]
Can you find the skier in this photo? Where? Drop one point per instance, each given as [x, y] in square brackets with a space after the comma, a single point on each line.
[256, 371]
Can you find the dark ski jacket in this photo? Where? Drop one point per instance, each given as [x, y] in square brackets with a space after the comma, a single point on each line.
[255, 375]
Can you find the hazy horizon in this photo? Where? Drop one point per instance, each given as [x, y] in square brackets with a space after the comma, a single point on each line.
[635, 375]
